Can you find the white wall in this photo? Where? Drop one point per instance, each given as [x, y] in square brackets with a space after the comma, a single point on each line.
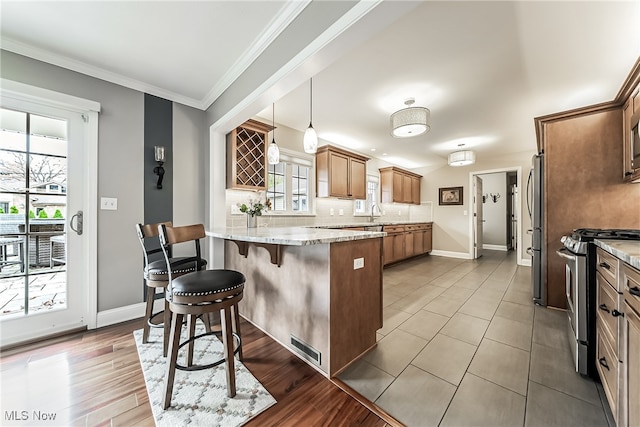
[494, 232]
[451, 226]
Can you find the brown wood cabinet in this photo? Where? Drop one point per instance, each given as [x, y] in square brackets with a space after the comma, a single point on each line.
[247, 156]
[406, 241]
[340, 173]
[399, 186]
[608, 328]
[631, 338]
[631, 109]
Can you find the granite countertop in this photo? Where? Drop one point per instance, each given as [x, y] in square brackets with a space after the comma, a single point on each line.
[369, 224]
[295, 236]
[626, 250]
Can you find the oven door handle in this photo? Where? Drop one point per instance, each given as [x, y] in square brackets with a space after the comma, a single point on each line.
[565, 253]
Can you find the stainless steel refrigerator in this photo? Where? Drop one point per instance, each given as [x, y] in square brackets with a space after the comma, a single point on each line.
[535, 204]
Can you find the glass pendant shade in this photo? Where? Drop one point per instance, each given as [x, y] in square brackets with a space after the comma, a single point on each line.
[462, 158]
[412, 121]
[273, 153]
[310, 140]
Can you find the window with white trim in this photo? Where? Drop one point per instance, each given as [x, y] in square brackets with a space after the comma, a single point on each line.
[364, 206]
[290, 183]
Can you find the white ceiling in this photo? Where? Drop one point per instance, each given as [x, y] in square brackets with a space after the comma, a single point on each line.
[484, 69]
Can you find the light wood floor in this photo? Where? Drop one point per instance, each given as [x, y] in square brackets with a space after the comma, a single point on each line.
[94, 378]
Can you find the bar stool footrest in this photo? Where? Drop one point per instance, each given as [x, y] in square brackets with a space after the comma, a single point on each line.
[210, 365]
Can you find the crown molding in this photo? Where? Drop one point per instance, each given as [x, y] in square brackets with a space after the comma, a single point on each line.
[93, 71]
[284, 17]
[277, 25]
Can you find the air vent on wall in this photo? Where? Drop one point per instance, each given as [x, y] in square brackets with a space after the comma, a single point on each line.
[306, 350]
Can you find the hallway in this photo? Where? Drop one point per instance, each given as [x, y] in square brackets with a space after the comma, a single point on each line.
[464, 345]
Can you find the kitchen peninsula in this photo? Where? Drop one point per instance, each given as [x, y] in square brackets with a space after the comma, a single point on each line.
[317, 291]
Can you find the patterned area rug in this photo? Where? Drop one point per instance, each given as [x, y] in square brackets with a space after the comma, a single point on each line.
[199, 397]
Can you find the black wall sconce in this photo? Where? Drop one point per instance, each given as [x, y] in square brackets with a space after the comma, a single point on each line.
[159, 170]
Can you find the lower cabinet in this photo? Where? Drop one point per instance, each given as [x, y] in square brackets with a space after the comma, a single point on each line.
[618, 337]
[406, 241]
[631, 338]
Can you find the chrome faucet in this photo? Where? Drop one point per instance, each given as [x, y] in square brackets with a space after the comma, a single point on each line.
[371, 217]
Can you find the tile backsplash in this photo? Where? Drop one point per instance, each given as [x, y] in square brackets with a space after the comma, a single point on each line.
[390, 212]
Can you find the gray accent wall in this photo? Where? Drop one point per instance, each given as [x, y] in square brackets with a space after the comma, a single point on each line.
[158, 130]
[121, 168]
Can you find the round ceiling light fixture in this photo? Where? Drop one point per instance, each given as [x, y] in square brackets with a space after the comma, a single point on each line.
[410, 121]
[462, 158]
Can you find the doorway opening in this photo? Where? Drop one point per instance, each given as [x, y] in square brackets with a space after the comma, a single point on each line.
[494, 223]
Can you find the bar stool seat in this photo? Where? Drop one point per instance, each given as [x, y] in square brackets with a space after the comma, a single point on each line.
[200, 293]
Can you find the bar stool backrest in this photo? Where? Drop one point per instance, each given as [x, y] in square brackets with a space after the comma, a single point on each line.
[146, 232]
[170, 236]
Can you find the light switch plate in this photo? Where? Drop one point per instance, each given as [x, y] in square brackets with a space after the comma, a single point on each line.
[341, 212]
[358, 263]
[108, 203]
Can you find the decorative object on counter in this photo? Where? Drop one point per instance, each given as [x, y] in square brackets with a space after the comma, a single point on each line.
[462, 158]
[253, 210]
[494, 197]
[450, 196]
[410, 121]
[310, 140]
[159, 170]
[273, 153]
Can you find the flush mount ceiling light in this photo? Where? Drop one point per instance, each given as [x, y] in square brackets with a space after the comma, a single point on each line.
[310, 140]
[410, 121]
[462, 158]
[273, 153]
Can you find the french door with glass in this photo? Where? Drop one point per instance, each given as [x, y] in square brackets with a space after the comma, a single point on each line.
[41, 198]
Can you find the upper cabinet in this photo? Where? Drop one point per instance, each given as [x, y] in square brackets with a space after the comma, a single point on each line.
[631, 138]
[340, 173]
[399, 186]
[247, 156]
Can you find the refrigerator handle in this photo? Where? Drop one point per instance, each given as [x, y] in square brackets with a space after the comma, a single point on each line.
[528, 188]
[529, 251]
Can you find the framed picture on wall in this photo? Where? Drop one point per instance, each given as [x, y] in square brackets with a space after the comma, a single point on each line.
[450, 196]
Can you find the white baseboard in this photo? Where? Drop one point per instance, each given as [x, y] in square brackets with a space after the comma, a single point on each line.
[450, 254]
[525, 262]
[495, 247]
[128, 312]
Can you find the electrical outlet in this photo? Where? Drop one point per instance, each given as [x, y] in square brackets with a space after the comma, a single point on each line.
[399, 213]
[235, 209]
[108, 204]
[341, 212]
[358, 263]
[331, 211]
[465, 213]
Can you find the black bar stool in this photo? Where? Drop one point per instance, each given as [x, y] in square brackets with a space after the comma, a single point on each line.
[201, 292]
[156, 276]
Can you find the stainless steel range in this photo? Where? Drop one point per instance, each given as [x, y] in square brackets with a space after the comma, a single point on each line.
[579, 252]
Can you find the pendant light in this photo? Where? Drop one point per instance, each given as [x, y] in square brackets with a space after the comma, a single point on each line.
[462, 158]
[273, 153]
[310, 135]
[410, 121]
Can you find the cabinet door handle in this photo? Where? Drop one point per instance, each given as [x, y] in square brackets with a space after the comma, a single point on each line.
[603, 307]
[604, 265]
[603, 362]
[616, 313]
[635, 291]
[628, 173]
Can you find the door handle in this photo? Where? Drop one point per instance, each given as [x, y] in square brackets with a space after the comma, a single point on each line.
[78, 227]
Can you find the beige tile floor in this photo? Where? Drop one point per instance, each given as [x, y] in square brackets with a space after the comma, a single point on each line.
[464, 345]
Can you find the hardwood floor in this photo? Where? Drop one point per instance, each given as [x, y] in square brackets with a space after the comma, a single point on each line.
[93, 378]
